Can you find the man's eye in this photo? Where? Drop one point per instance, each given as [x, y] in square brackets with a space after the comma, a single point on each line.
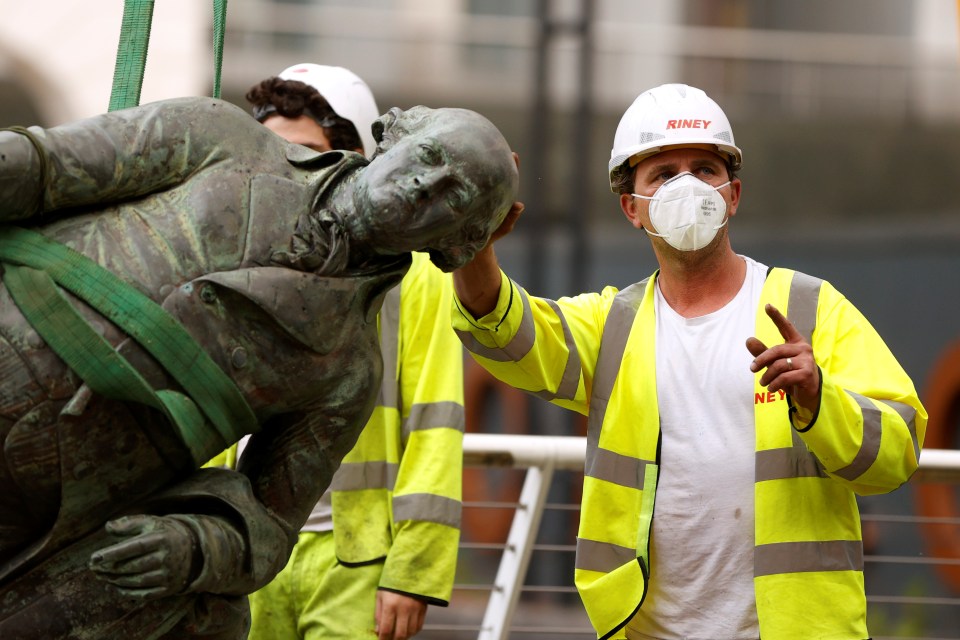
[430, 155]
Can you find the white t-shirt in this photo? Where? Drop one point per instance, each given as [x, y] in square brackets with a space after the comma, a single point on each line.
[701, 547]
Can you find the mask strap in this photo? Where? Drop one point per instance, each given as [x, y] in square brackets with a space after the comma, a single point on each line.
[726, 214]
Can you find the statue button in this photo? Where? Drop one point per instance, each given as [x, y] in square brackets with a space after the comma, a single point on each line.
[208, 293]
[238, 358]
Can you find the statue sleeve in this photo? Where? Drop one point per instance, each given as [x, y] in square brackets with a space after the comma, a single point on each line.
[22, 172]
[118, 156]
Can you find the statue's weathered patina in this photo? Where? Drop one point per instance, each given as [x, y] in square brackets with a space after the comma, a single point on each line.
[275, 259]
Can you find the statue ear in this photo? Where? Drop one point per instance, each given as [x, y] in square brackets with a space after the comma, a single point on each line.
[381, 126]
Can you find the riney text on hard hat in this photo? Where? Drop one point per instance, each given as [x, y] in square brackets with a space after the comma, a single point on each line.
[688, 124]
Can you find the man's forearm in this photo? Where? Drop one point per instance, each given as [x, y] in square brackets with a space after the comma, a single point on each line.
[478, 283]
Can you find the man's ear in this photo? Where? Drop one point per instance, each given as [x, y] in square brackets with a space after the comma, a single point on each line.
[735, 187]
[629, 204]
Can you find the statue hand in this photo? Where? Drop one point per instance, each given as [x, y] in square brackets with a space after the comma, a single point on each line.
[156, 556]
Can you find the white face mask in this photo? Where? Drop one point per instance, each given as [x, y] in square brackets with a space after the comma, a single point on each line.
[686, 211]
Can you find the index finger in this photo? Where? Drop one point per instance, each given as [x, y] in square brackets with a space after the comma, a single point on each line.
[126, 550]
[784, 326]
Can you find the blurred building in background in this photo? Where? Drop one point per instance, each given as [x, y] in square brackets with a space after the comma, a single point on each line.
[848, 112]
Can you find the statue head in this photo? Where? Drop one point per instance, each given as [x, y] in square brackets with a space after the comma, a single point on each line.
[440, 181]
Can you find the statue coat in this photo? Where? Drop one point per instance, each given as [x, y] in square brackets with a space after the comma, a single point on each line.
[216, 219]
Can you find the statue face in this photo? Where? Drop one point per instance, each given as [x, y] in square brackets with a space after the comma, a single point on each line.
[441, 185]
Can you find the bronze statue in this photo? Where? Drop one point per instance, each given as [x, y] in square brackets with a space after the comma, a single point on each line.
[274, 259]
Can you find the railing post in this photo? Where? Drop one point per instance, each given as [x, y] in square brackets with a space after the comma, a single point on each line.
[516, 556]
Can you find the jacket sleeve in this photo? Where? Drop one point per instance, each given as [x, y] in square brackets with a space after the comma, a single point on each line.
[869, 429]
[114, 156]
[548, 348]
[426, 501]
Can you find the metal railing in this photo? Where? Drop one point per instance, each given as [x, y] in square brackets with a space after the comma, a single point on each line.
[541, 457]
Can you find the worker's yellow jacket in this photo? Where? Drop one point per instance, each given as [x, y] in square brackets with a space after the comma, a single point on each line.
[865, 439]
[397, 494]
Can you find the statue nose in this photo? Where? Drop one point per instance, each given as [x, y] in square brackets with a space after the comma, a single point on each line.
[428, 183]
[421, 189]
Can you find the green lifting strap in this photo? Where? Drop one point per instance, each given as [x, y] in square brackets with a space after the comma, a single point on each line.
[131, 54]
[219, 30]
[144, 320]
[96, 362]
[132, 51]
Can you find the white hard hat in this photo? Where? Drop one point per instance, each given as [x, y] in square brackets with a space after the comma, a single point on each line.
[671, 114]
[347, 94]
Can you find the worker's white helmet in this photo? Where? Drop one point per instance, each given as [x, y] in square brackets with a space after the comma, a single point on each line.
[671, 114]
[348, 95]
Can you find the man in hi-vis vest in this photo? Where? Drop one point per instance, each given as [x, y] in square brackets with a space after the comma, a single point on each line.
[734, 410]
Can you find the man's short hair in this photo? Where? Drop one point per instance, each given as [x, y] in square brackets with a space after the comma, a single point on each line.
[292, 99]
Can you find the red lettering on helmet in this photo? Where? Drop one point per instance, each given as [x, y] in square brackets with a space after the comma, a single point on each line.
[688, 124]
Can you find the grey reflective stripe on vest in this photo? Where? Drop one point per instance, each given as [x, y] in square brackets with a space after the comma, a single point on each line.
[796, 461]
[518, 347]
[872, 430]
[798, 557]
[567, 388]
[909, 416]
[802, 303]
[434, 415]
[427, 507]
[355, 476]
[389, 348]
[793, 462]
[616, 331]
[603, 464]
[602, 557]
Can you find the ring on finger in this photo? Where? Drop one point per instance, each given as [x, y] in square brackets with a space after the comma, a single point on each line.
[790, 363]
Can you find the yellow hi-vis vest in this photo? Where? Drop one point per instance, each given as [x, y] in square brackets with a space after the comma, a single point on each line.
[397, 493]
[808, 562]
